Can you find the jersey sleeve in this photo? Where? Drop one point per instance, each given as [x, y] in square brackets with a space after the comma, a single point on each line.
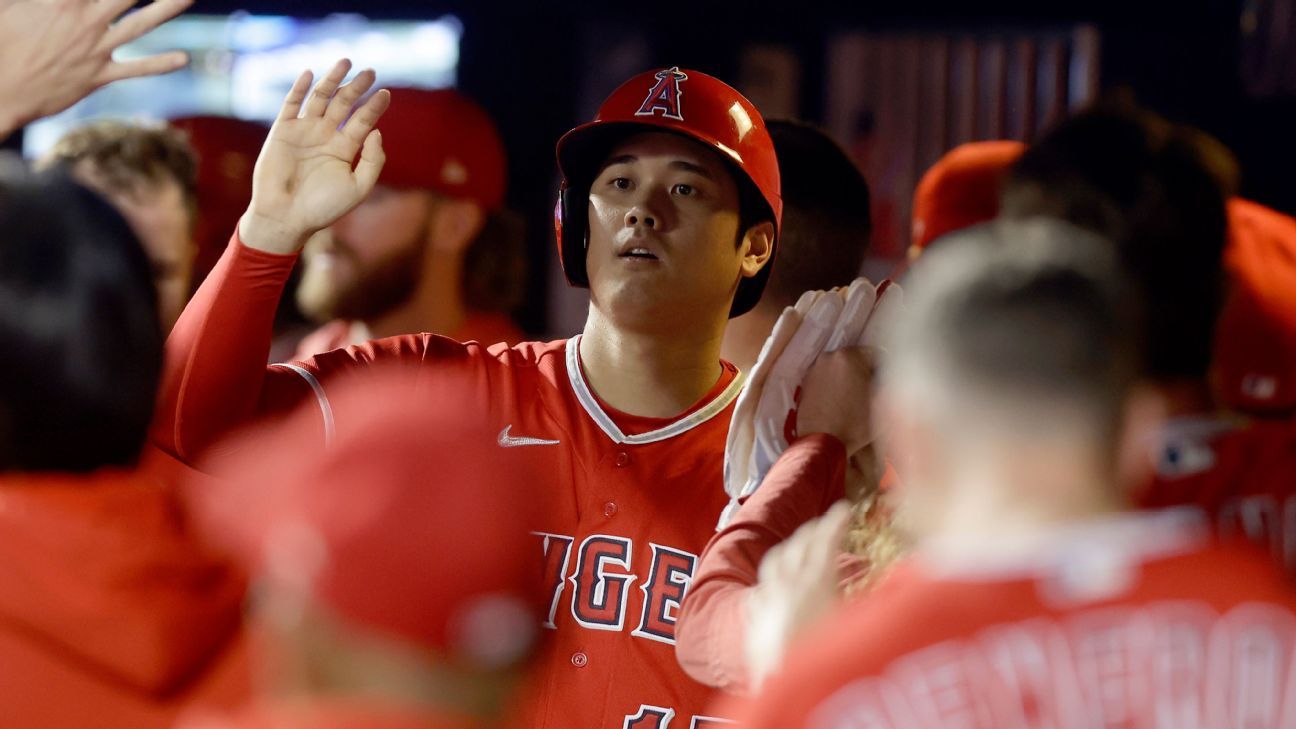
[215, 376]
[807, 479]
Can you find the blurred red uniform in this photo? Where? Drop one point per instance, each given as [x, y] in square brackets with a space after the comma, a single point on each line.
[1243, 472]
[1123, 621]
[111, 613]
[615, 576]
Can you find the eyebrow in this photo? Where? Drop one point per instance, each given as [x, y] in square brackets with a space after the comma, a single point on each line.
[678, 164]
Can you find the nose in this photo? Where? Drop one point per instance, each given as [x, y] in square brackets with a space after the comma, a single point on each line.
[638, 215]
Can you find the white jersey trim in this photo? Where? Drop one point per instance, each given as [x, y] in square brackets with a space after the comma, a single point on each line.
[608, 426]
[326, 409]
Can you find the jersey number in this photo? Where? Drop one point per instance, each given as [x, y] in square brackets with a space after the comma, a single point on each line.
[658, 717]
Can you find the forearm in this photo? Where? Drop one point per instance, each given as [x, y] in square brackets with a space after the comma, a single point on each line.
[711, 631]
[215, 358]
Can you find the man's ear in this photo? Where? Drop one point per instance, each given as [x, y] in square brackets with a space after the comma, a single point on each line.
[759, 244]
[1138, 450]
[455, 224]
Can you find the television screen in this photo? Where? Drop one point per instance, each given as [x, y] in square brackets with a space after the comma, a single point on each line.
[242, 65]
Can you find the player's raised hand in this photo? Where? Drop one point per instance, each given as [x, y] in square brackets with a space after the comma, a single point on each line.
[306, 176]
[797, 584]
[55, 52]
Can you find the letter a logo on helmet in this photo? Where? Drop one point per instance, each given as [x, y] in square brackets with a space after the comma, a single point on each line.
[665, 95]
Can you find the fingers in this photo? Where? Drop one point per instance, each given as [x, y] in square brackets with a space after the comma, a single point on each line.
[809, 339]
[104, 12]
[147, 66]
[372, 158]
[296, 95]
[142, 21]
[363, 120]
[319, 98]
[347, 96]
[881, 320]
[860, 298]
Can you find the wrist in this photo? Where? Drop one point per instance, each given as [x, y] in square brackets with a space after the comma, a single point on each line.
[270, 235]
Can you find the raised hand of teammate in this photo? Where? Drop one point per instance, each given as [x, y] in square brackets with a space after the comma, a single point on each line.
[307, 176]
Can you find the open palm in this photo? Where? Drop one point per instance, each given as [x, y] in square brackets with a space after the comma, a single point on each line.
[304, 178]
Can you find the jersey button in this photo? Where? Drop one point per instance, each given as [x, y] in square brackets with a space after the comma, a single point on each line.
[610, 509]
[622, 459]
[579, 659]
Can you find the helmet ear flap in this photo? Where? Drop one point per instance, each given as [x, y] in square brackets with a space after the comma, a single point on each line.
[573, 233]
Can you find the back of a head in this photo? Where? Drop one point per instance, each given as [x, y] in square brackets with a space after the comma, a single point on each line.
[79, 319]
[826, 219]
[127, 158]
[1024, 327]
[1155, 189]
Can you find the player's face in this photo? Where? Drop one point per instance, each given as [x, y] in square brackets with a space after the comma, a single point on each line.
[663, 220]
[161, 220]
[370, 260]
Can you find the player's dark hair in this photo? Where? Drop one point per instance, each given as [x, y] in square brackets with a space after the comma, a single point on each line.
[1158, 191]
[1037, 313]
[826, 220]
[79, 322]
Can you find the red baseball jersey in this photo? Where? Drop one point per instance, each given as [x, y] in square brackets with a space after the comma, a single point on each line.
[1243, 474]
[1133, 621]
[632, 501]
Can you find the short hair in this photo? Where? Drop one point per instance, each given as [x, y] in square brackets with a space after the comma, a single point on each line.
[1028, 323]
[83, 347]
[495, 264]
[130, 156]
[826, 218]
[1158, 191]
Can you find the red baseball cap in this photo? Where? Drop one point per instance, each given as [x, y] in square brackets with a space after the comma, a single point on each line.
[443, 141]
[1255, 339]
[227, 150]
[412, 522]
[961, 189]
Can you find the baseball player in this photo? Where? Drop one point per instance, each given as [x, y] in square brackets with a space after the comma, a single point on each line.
[1033, 597]
[150, 174]
[960, 190]
[669, 212]
[111, 614]
[431, 248]
[345, 640]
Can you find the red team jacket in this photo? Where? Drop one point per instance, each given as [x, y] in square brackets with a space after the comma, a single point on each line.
[633, 500]
[1134, 621]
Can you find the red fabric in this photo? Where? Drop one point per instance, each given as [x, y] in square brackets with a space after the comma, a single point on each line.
[1243, 475]
[627, 519]
[484, 327]
[443, 141]
[111, 614]
[332, 714]
[434, 481]
[803, 483]
[1255, 340]
[961, 189]
[1105, 628]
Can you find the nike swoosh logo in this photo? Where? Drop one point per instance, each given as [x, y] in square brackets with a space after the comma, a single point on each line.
[507, 441]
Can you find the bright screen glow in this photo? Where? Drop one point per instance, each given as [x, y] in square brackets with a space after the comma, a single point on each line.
[242, 65]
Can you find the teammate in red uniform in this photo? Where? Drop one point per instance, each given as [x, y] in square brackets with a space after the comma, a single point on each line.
[431, 249]
[111, 613]
[1031, 598]
[669, 212]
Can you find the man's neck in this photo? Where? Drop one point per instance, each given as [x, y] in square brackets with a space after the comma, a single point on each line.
[436, 306]
[745, 336]
[656, 374]
[1011, 502]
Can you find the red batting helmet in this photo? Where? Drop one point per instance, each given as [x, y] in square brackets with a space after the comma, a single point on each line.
[685, 102]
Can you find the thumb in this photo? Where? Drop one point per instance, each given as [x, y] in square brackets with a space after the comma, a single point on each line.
[372, 158]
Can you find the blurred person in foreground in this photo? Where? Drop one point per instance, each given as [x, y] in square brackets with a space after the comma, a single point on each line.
[149, 173]
[410, 602]
[112, 614]
[1034, 594]
[1162, 192]
[57, 53]
[431, 248]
